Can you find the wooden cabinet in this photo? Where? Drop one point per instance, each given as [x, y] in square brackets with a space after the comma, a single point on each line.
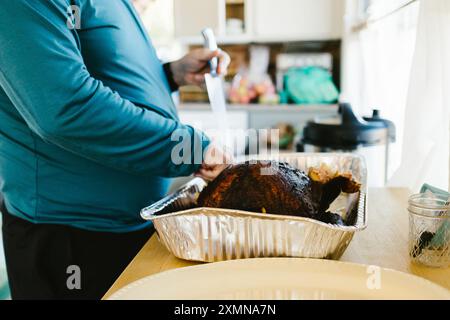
[298, 19]
[263, 20]
[192, 16]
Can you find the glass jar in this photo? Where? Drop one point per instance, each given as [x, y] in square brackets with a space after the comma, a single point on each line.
[429, 230]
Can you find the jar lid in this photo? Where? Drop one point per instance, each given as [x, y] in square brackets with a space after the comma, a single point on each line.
[430, 205]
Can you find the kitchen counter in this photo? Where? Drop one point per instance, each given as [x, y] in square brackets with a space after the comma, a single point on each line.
[242, 117]
[384, 243]
[316, 108]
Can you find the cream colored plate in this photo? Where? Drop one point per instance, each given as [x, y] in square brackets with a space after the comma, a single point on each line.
[281, 278]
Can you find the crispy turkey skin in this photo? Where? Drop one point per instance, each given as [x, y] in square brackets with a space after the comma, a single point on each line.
[277, 188]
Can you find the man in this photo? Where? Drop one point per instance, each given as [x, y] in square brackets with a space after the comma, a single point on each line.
[86, 124]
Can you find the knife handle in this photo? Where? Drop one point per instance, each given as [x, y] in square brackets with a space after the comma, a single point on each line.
[211, 44]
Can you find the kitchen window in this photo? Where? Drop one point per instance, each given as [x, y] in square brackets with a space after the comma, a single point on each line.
[379, 45]
[158, 18]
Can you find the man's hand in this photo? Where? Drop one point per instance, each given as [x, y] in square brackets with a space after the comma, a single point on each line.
[190, 69]
[216, 159]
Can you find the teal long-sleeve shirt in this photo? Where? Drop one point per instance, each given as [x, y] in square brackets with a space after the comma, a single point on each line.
[86, 115]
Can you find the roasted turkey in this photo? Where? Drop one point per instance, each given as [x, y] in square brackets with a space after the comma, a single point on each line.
[278, 188]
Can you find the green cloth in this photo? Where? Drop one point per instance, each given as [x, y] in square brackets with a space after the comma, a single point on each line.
[86, 116]
[442, 236]
[311, 85]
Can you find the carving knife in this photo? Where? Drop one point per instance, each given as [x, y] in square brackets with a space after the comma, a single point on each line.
[214, 83]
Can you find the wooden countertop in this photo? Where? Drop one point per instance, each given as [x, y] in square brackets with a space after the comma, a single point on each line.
[384, 243]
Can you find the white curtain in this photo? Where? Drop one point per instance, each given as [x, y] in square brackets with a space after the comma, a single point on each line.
[400, 65]
[425, 152]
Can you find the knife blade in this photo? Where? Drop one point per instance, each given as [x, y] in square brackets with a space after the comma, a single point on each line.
[214, 83]
[216, 94]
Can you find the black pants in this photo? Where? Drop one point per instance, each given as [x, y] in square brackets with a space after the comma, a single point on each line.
[61, 262]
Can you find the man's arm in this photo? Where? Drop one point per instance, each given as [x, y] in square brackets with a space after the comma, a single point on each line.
[43, 74]
[191, 69]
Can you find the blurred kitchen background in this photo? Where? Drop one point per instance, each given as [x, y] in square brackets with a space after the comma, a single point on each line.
[294, 60]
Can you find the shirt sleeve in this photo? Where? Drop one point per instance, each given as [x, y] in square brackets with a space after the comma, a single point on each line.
[169, 75]
[43, 73]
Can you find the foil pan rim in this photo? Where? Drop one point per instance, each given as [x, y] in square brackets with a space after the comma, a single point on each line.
[359, 226]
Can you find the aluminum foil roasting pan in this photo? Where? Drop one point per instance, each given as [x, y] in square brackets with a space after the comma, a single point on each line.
[209, 235]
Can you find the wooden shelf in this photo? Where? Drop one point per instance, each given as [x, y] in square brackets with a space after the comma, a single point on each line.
[237, 2]
[247, 39]
[221, 40]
